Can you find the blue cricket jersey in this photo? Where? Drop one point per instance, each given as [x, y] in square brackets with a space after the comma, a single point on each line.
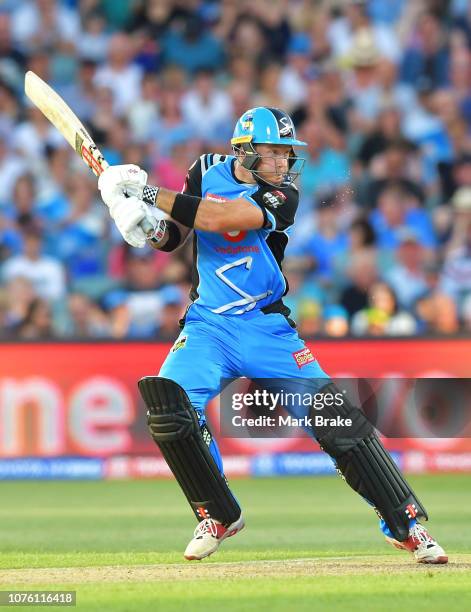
[238, 272]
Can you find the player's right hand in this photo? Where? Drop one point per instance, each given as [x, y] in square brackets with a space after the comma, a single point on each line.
[127, 213]
[126, 179]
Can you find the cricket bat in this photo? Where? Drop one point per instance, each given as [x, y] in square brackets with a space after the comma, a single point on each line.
[66, 121]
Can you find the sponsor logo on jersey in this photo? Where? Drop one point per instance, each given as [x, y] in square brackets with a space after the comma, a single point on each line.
[179, 343]
[274, 199]
[235, 236]
[215, 198]
[235, 250]
[303, 357]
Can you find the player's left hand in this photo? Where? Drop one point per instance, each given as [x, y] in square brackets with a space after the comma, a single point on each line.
[126, 179]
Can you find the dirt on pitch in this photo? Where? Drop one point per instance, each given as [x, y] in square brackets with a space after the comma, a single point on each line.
[337, 566]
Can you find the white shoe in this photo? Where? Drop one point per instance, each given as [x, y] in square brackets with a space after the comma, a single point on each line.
[421, 544]
[207, 537]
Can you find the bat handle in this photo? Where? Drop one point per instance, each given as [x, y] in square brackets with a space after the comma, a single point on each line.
[146, 226]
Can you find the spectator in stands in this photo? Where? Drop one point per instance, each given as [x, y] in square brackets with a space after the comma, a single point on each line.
[172, 309]
[327, 165]
[85, 319]
[309, 322]
[456, 275]
[93, 42]
[427, 55]
[38, 323]
[355, 18]
[397, 211]
[466, 313]
[407, 277]
[19, 295]
[328, 242]
[269, 92]
[80, 243]
[362, 273]
[385, 132]
[81, 93]
[23, 210]
[171, 125]
[32, 138]
[335, 321]
[439, 314]
[296, 72]
[192, 47]
[45, 24]
[144, 114]
[275, 25]
[383, 316]
[397, 166]
[120, 74]
[363, 85]
[205, 99]
[46, 274]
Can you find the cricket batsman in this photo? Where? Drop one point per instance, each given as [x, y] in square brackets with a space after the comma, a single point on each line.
[241, 209]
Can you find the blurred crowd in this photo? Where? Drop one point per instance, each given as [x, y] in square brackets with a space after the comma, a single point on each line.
[380, 90]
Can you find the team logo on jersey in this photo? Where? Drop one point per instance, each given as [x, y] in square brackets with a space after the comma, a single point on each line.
[180, 343]
[274, 199]
[303, 357]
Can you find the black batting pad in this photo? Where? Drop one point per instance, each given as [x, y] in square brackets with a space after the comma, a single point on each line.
[173, 425]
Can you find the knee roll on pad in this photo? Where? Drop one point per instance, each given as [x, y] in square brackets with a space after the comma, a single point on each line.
[368, 468]
[174, 427]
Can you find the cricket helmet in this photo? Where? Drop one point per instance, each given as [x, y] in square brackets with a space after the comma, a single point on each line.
[265, 125]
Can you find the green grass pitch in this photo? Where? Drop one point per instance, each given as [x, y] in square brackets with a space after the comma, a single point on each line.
[309, 544]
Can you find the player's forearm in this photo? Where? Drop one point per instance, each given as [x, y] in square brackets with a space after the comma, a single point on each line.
[209, 216]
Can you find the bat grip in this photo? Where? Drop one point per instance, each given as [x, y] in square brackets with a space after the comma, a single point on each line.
[146, 226]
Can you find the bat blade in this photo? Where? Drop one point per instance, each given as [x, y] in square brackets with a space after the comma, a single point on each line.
[65, 120]
[69, 125]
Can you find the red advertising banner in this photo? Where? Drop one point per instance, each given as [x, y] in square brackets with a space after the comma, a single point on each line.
[73, 399]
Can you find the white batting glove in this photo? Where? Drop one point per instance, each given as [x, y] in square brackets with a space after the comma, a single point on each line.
[127, 214]
[118, 180]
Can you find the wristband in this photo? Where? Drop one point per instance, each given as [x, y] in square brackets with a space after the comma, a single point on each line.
[149, 194]
[185, 208]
